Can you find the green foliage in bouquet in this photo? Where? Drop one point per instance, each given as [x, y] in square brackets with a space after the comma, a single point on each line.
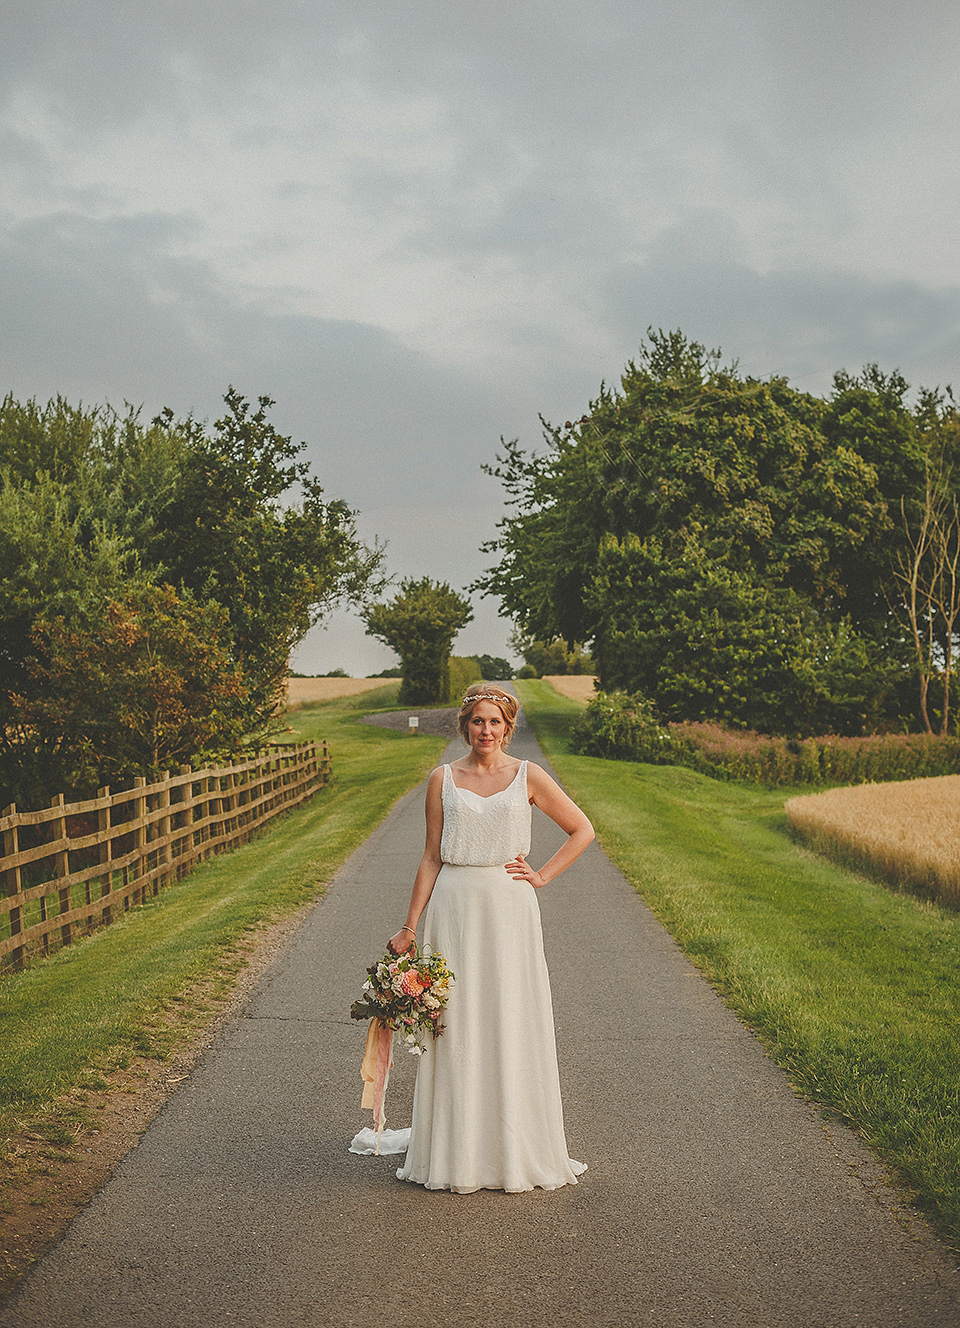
[407, 993]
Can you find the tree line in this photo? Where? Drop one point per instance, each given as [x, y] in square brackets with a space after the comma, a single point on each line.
[737, 550]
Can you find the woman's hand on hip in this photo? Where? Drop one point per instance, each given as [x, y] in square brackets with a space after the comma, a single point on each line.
[521, 870]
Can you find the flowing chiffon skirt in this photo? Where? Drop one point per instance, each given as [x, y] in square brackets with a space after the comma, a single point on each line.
[487, 1111]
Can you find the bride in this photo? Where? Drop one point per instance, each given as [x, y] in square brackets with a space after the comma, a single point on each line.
[486, 1108]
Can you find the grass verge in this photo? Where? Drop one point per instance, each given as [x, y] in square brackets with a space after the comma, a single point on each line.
[854, 989]
[149, 983]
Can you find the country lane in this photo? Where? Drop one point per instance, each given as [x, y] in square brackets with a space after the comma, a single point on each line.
[714, 1195]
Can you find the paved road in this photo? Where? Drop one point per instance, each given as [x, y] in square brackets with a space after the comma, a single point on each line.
[714, 1196]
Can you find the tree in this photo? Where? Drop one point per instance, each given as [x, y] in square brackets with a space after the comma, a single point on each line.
[146, 685]
[927, 566]
[420, 624]
[95, 507]
[224, 531]
[57, 560]
[494, 668]
[685, 445]
[867, 415]
[740, 499]
[707, 643]
[551, 657]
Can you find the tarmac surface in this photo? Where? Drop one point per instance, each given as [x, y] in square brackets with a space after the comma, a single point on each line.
[714, 1195]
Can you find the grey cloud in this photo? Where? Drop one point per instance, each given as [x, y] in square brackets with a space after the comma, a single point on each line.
[804, 324]
[107, 311]
[846, 72]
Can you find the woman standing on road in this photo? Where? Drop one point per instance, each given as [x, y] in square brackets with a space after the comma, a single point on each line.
[486, 1110]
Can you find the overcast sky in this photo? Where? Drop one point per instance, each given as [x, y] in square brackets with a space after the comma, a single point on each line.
[419, 223]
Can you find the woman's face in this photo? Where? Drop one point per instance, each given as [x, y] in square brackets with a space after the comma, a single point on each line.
[486, 729]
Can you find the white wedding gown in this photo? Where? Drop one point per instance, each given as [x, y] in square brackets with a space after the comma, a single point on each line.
[486, 1109]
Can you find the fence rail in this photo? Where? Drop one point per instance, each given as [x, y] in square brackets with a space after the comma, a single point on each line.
[75, 866]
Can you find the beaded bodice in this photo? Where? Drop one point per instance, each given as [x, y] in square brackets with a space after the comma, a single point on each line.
[485, 832]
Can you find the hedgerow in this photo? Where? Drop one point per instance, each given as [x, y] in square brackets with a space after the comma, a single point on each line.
[626, 727]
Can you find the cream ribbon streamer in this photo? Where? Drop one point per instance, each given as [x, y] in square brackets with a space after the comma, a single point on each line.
[375, 1073]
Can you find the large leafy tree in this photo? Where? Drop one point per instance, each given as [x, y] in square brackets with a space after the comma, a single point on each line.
[58, 560]
[95, 507]
[420, 624]
[238, 518]
[696, 519]
[144, 685]
[706, 641]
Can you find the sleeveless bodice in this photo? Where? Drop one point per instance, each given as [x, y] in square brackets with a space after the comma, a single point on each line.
[485, 832]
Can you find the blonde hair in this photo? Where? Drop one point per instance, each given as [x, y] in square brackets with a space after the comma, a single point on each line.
[487, 691]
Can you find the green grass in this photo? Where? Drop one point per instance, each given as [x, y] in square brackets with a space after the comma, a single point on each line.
[854, 989]
[121, 992]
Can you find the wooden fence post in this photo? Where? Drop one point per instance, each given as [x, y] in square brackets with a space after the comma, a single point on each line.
[61, 867]
[186, 790]
[11, 847]
[163, 826]
[140, 839]
[106, 853]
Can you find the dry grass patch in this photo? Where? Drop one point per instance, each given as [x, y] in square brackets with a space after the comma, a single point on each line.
[308, 691]
[908, 832]
[574, 686]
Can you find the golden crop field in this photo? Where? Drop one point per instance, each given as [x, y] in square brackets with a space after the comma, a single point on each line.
[908, 832]
[301, 691]
[574, 686]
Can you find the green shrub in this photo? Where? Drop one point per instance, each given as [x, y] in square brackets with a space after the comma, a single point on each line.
[461, 672]
[626, 727]
[527, 671]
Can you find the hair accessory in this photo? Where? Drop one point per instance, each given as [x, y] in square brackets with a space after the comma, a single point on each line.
[484, 696]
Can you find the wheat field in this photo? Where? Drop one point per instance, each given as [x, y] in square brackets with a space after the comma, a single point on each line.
[574, 686]
[301, 691]
[908, 832]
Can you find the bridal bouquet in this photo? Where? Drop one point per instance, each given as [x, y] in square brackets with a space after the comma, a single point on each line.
[406, 993]
[403, 994]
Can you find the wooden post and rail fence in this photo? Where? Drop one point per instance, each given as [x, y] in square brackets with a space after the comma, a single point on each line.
[73, 867]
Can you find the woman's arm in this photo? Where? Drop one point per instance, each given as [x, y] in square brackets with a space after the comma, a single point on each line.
[429, 869]
[547, 794]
